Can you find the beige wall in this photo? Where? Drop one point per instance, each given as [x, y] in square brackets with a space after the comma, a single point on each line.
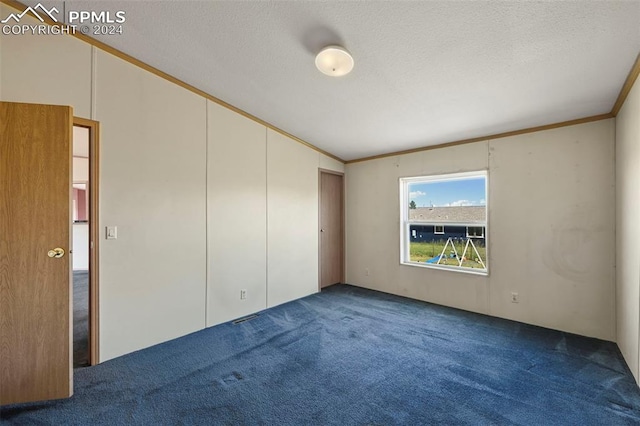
[45, 69]
[628, 228]
[551, 228]
[189, 185]
[153, 188]
[262, 216]
[237, 215]
[80, 169]
[80, 245]
[292, 218]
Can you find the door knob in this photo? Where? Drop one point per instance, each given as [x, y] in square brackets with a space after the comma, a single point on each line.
[56, 252]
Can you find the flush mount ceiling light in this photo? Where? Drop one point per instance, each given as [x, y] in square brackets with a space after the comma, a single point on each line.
[334, 61]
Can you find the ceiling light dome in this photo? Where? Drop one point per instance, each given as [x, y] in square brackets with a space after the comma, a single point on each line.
[334, 61]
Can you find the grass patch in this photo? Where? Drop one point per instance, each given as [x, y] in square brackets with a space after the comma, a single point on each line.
[421, 252]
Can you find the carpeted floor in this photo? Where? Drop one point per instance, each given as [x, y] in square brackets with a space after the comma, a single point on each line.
[350, 356]
[80, 318]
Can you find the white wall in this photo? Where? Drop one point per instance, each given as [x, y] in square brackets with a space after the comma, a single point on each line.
[237, 215]
[373, 223]
[153, 188]
[550, 236]
[80, 169]
[80, 246]
[628, 228]
[189, 185]
[262, 216]
[292, 218]
[45, 69]
[328, 163]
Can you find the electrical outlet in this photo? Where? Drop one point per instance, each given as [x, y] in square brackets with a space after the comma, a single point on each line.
[366, 271]
[243, 294]
[514, 297]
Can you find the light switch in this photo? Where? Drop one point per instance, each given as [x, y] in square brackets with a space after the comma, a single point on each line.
[112, 232]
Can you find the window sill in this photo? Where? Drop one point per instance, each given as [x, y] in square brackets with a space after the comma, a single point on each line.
[471, 271]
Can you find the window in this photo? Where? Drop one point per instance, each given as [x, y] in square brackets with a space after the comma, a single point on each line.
[475, 232]
[457, 202]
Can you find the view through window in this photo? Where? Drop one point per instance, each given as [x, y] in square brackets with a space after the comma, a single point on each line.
[444, 221]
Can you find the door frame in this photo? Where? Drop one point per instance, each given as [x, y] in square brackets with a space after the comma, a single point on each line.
[344, 223]
[94, 157]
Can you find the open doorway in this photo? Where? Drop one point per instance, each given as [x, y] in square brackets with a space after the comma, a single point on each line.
[85, 242]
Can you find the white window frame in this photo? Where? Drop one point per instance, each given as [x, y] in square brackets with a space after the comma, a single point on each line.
[476, 236]
[405, 222]
[435, 229]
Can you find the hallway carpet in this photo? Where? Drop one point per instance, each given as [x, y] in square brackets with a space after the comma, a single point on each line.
[349, 356]
[80, 318]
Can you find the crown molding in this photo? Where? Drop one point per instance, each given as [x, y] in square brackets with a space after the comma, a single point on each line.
[484, 138]
[626, 87]
[622, 96]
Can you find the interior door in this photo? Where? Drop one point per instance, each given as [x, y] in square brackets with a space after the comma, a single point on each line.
[35, 274]
[331, 229]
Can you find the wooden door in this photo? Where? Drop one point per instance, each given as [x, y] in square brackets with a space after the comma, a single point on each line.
[35, 216]
[331, 229]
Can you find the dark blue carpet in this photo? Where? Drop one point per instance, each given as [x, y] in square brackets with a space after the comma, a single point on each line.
[80, 319]
[350, 356]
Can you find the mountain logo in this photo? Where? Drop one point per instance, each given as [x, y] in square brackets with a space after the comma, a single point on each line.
[34, 10]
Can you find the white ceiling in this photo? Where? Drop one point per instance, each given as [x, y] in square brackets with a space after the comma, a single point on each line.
[426, 72]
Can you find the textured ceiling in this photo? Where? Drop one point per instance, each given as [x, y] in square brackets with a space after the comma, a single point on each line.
[425, 73]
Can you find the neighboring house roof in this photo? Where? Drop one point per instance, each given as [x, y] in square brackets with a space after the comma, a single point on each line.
[466, 214]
